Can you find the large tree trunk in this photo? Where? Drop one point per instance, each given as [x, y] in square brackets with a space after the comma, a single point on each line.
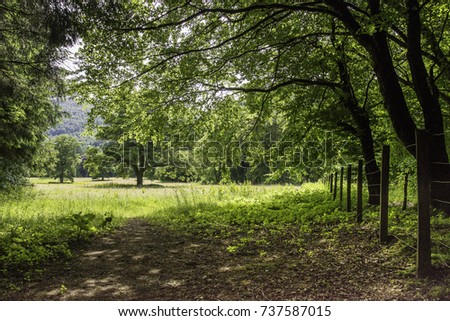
[377, 47]
[61, 178]
[424, 86]
[394, 100]
[139, 173]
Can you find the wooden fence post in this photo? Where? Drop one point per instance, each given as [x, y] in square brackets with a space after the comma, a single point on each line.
[359, 192]
[341, 185]
[384, 194]
[423, 141]
[335, 186]
[405, 192]
[349, 188]
[331, 183]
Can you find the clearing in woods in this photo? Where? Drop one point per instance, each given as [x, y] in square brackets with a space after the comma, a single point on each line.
[144, 259]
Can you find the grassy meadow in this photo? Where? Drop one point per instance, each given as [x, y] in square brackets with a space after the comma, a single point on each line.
[48, 220]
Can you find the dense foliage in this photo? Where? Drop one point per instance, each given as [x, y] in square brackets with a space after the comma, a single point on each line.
[67, 157]
[375, 71]
[218, 92]
[32, 34]
[97, 163]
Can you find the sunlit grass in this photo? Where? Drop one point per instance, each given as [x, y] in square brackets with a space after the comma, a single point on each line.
[40, 222]
[118, 197]
[115, 196]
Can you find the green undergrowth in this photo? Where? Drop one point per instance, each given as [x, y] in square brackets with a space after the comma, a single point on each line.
[245, 207]
[253, 220]
[34, 229]
[403, 233]
[50, 220]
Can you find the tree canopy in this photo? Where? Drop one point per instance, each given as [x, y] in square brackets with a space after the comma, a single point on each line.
[67, 157]
[152, 70]
[32, 35]
[375, 70]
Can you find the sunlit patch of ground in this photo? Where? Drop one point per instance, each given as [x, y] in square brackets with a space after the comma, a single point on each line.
[142, 261]
[151, 255]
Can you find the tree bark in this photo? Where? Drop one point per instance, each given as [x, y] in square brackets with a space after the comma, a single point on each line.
[405, 192]
[424, 86]
[377, 47]
[363, 132]
[372, 170]
[139, 173]
[394, 99]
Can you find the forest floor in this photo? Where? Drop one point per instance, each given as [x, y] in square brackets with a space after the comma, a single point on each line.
[147, 261]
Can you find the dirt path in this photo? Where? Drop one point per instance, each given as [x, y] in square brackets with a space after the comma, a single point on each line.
[145, 262]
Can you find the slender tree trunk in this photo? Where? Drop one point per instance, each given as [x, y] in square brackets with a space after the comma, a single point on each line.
[139, 172]
[61, 178]
[372, 170]
[405, 192]
[219, 173]
[365, 137]
[363, 132]
[140, 178]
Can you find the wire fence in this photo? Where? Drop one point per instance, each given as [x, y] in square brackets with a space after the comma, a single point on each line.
[433, 190]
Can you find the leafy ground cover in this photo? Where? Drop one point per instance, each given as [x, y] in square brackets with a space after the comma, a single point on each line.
[104, 240]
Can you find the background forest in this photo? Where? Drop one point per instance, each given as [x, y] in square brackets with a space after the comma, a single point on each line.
[294, 90]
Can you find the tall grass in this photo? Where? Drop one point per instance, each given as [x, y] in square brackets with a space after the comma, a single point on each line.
[48, 220]
[255, 214]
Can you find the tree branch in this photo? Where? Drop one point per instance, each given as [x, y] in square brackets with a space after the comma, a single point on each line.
[295, 81]
[175, 54]
[306, 6]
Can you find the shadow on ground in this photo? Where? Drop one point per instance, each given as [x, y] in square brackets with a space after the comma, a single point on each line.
[141, 261]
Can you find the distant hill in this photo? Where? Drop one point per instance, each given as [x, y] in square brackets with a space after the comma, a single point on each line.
[73, 123]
